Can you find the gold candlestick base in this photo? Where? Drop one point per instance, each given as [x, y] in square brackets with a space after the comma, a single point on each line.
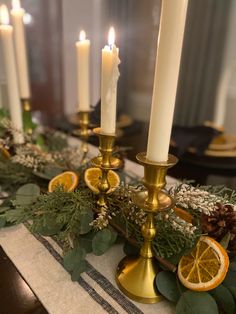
[135, 276]
[83, 132]
[105, 162]
[27, 118]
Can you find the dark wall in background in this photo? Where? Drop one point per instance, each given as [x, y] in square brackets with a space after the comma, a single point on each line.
[202, 57]
[44, 39]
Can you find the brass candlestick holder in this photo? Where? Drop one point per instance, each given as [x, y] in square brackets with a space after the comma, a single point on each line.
[27, 117]
[105, 162]
[84, 132]
[135, 275]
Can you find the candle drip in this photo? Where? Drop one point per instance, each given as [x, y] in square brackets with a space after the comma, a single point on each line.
[115, 73]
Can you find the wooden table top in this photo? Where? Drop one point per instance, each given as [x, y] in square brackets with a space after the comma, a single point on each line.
[16, 297]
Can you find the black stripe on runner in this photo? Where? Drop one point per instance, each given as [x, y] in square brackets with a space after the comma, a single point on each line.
[106, 306]
[108, 287]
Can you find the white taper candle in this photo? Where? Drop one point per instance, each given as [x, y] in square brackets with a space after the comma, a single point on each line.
[17, 14]
[83, 49]
[169, 47]
[6, 34]
[110, 75]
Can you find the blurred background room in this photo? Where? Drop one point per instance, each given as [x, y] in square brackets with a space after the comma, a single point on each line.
[207, 79]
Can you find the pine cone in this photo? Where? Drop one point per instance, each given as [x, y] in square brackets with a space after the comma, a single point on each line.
[221, 221]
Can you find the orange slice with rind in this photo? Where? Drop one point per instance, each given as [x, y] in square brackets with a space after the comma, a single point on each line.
[68, 180]
[92, 179]
[205, 267]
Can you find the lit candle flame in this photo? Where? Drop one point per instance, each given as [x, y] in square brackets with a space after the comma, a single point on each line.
[16, 4]
[111, 36]
[27, 19]
[4, 15]
[82, 35]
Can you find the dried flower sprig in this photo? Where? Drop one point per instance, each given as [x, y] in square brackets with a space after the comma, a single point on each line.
[194, 198]
[179, 224]
[9, 127]
[32, 157]
[102, 220]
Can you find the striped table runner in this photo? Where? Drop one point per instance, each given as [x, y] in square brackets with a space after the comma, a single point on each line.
[39, 260]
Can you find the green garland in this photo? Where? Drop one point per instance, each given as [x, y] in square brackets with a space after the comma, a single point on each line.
[72, 218]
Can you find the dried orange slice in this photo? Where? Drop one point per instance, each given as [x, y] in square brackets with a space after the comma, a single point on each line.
[183, 214]
[69, 180]
[92, 178]
[205, 267]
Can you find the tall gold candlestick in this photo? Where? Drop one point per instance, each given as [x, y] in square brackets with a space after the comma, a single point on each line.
[83, 132]
[135, 275]
[105, 162]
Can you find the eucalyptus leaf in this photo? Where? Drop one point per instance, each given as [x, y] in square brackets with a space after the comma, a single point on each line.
[102, 241]
[27, 194]
[166, 283]
[42, 175]
[230, 279]
[48, 230]
[85, 219]
[48, 226]
[196, 303]
[224, 299]
[86, 242]
[80, 267]
[73, 258]
[225, 241]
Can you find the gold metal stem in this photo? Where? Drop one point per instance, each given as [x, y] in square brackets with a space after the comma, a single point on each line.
[26, 104]
[84, 132]
[27, 119]
[105, 162]
[135, 275]
[103, 187]
[148, 232]
[106, 147]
